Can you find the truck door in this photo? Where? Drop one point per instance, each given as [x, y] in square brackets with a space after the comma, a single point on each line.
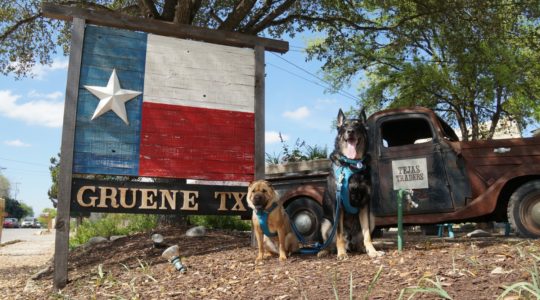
[409, 157]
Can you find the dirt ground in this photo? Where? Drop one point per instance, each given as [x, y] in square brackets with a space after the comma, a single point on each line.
[221, 266]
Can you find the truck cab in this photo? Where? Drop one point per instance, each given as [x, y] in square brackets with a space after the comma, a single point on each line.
[450, 180]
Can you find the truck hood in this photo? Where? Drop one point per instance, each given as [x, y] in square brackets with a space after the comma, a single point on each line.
[492, 159]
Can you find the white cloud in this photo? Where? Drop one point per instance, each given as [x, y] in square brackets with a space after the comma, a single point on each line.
[322, 104]
[16, 143]
[298, 114]
[51, 96]
[36, 112]
[271, 137]
[40, 71]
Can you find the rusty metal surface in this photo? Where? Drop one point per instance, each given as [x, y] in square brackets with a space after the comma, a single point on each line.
[466, 178]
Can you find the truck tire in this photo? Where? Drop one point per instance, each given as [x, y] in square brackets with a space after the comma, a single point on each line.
[306, 215]
[524, 210]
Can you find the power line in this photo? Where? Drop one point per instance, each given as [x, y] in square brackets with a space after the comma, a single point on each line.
[328, 84]
[309, 80]
[23, 162]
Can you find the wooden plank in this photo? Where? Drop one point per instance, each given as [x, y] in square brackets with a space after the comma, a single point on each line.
[107, 142]
[66, 163]
[2, 209]
[259, 112]
[163, 28]
[183, 72]
[158, 198]
[197, 143]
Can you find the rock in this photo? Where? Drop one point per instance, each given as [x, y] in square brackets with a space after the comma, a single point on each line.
[95, 240]
[196, 231]
[46, 271]
[30, 287]
[478, 233]
[116, 237]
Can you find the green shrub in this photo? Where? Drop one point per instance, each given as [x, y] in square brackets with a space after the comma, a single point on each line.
[112, 224]
[220, 222]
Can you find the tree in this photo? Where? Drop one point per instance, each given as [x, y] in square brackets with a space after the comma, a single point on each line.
[14, 208]
[475, 62]
[27, 38]
[53, 190]
[28, 210]
[5, 187]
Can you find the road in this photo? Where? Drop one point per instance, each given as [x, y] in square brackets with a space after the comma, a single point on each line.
[33, 249]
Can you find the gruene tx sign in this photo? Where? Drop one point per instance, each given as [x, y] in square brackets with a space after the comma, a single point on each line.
[162, 102]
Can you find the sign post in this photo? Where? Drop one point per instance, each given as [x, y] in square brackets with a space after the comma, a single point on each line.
[2, 212]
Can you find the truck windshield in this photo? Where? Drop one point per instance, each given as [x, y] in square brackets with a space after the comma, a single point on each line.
[447, 131]
[406, 131]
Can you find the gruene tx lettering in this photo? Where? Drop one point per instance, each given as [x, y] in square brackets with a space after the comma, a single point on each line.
[91, 196]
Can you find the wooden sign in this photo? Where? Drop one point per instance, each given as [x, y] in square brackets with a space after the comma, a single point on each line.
[184, 109]
[146, 98]
[158, 198]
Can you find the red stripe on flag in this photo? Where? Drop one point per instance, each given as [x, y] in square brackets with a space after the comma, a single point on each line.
[196, 143]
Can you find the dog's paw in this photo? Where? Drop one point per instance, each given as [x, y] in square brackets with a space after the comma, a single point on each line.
[342, 256]
[323, 253]
[282, 258]
[375, 254]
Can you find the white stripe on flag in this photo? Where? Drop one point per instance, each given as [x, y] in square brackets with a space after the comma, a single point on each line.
[197, 74]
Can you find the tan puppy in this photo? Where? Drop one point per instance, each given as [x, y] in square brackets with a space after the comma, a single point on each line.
[270, 221]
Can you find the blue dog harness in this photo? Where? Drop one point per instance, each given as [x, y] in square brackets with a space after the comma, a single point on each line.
[262, 215]
[343, 173]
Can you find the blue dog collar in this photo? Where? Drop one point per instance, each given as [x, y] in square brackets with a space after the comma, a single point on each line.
[262, 215]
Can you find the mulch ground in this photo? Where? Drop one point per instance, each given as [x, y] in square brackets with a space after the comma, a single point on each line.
[221, 265]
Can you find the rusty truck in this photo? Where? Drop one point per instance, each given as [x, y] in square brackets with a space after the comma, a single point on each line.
[451, 181]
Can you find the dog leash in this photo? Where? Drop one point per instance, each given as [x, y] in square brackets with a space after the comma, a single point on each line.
[262, 215]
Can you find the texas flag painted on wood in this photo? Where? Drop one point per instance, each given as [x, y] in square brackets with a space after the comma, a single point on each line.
[158, 106]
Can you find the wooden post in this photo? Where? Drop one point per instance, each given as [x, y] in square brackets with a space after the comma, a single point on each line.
[61, 249]
[2, 209]
[259, 112]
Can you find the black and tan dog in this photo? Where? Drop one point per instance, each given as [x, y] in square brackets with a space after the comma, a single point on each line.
[349, 182]
[270, 221]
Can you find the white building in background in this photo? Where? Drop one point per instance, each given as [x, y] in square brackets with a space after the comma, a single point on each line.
[506, 129]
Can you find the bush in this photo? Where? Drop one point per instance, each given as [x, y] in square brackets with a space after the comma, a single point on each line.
[220, 222]
[112, 224]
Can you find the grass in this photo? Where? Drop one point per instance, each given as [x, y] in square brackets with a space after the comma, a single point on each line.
[112, 224]
[371, 285]
[426, 286]
[221, 222]
[525, 289]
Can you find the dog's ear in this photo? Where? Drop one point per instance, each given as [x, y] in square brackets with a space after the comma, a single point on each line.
[340, 118]
[362, 115]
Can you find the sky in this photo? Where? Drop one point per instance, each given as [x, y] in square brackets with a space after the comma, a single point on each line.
[31, 113]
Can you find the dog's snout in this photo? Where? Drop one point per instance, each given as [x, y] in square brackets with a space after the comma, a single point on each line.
[259, 199]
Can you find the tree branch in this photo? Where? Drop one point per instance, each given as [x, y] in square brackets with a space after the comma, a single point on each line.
[169, 10]
[148, 9]
[239, 12]
[17, 25]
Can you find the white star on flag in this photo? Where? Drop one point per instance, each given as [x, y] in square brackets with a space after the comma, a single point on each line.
[112, 97]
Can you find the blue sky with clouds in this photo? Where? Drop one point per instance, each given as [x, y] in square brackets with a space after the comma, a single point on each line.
[31, 112]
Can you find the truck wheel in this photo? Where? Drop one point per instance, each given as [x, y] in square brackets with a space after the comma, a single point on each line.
[524, 209]
[306, 215]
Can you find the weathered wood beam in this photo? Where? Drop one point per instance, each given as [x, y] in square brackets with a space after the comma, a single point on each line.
[112, 19]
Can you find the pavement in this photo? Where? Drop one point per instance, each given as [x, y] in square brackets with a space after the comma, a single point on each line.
[26, 247]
